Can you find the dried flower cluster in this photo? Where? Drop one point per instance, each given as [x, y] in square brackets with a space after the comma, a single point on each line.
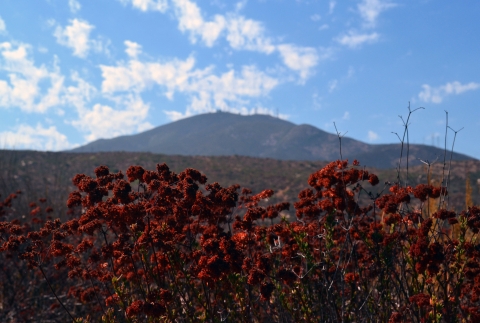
[177, 249]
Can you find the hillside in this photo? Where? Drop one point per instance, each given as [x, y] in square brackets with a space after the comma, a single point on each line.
[47, 174]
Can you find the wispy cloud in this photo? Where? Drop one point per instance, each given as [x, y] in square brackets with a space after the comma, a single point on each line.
[316, 101]
[332, 85]
[300, 59]
[248, 34]
[240, 32]
[438, 94]
[355, 40]
[331, 6]
[370, 10]
[74, 6]
[3, 26]
[190, 20]
[372, 136]
[132, 49]
[147, 5]
[77, 37]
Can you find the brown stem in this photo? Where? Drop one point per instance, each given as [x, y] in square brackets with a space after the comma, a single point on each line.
[53, 291]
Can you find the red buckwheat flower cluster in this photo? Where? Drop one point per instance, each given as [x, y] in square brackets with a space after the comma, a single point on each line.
[158, 246]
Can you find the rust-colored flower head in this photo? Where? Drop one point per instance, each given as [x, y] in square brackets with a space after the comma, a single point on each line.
[422, 191]
[135, 173]
[373, 179]
[101, 171]
[135, 309]
[121, 190]
[74, 199]
[421, 300]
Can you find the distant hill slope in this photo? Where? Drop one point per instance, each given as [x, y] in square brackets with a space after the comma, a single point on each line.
[49, 174]
[225, 134]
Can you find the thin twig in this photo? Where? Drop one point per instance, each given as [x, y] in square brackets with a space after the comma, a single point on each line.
[450, 162]
[339, 139]
[441, 203]
[402, 141]
[55, 294]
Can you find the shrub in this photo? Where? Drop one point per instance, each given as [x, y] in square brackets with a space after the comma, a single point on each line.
[176, 249]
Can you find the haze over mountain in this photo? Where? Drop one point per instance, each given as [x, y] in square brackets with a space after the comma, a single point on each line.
[223, 134]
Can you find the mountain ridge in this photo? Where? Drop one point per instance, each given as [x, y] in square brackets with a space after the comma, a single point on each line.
[264, 136]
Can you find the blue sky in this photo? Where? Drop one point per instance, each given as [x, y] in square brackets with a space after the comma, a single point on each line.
[74, 71]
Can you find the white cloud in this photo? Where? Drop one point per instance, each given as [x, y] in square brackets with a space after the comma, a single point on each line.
[248, 34]
[300, 59]
[370, 10]
[74, 6]
[3, 26]
[241, 33]
[148, 5]
[190, 19]
[207, 91]
[346, 115]
[23, 87]
[136, 76]
[39, 138]
[230, 90]
[354, 40]
[77, 37]
[103, 121]
[18, 55]
[26, 88]
[372, 136]
[40, 88]
[133, 49]
[315, 17]
[438, 94]
[80, 95]
[125, 115]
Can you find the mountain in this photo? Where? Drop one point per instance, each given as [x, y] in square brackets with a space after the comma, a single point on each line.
[224, 134]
